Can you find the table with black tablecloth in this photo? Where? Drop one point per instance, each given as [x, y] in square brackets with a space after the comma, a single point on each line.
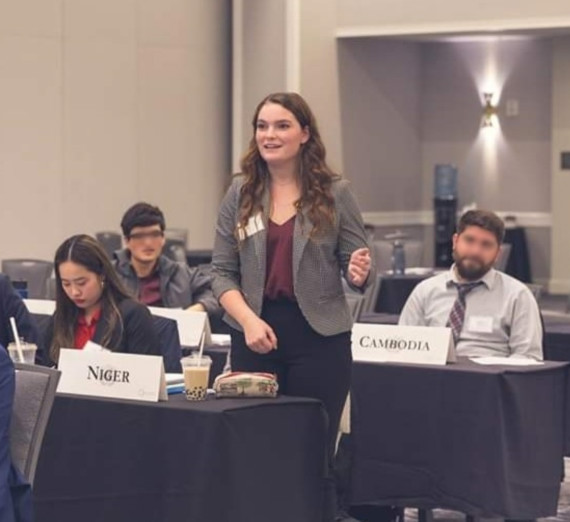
[225, 460]
[485, 440]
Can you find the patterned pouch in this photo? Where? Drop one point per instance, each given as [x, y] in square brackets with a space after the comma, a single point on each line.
[246, 384]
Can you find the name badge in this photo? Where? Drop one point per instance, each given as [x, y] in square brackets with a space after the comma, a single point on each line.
[254, 225]
[109, 374]
[480, 324]
[403, 344]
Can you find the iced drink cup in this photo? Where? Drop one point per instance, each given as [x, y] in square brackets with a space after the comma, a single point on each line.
[196, 371]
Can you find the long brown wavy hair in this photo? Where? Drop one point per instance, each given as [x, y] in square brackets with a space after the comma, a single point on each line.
[315, 175]
[86, 251]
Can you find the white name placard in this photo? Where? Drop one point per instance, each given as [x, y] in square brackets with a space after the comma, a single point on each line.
[405, 344]
[40, 306]
[192, 325]
[109, 374]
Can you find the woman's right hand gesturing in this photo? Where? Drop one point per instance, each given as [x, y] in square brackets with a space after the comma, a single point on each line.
[259, 336]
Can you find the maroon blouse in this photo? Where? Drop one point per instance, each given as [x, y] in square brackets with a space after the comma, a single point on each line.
[149, 290]
[279, 278]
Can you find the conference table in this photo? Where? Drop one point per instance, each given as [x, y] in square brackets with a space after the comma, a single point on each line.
[218, 460]
[484, 440]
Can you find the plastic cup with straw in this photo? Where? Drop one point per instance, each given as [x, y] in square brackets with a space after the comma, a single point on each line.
[17, 339]
[201, 350]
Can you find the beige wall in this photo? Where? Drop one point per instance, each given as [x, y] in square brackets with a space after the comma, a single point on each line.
[560, 178]
[31, 127]
[380, 88]
[265, 35]
[505, 169]
[319, 81]
[334, 94]
[321, 75]
[446, 15]
[107, 102]
[259, 54]
[491, 162]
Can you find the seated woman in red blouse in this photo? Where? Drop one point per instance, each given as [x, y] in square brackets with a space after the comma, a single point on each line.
[92, 305]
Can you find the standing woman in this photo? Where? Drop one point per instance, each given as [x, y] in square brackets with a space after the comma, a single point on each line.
[92, 305]
[287, 227]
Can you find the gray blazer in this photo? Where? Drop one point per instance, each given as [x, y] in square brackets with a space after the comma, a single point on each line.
[180, 285]
[317, 262]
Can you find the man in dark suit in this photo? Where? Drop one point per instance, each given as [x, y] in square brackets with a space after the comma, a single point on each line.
[15, 493]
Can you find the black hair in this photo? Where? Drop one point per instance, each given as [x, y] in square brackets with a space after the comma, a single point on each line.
[142, 215]
[483, 219]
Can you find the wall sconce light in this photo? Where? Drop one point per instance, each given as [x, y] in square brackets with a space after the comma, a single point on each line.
[489, 111]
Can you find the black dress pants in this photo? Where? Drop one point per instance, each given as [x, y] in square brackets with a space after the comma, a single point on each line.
[307, 364]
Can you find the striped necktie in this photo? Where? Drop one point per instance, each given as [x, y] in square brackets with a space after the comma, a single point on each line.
[457, 314]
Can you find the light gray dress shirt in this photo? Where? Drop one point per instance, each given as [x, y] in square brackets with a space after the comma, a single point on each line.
[501, 316]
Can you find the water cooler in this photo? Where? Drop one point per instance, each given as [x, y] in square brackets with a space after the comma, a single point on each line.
[445, 212]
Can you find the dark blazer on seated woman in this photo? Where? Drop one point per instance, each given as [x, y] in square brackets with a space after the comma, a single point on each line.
[15, 492]
[136, 333]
